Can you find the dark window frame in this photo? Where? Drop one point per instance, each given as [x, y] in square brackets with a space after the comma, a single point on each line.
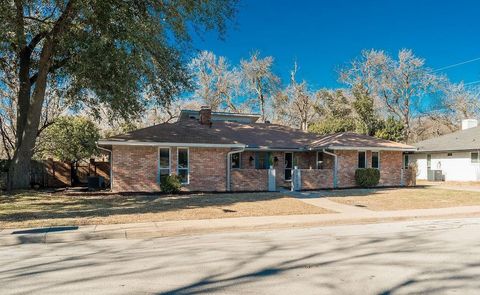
[187, 168]
[364, 159]
[164, 168]
[378, 159]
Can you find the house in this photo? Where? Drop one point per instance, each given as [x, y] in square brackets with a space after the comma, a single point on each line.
[217, 151]
[451, 157]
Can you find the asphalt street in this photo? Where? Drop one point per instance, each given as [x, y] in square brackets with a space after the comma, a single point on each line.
[441, 257]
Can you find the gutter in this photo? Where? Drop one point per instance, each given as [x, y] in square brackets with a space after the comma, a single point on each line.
[335, 167]
[169, 144]
[229, 164]
[111, 164]
[412, 149]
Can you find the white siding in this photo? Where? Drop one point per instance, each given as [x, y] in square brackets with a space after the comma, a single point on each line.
[458, 167]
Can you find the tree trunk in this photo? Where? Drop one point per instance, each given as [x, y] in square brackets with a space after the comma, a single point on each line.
[19, 170]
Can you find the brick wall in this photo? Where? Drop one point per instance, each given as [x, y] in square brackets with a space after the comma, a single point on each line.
[249, 180]
[305, 160]
[208, 169]
[316, 178]
[347, 164]
[390, 167]
[135, 168]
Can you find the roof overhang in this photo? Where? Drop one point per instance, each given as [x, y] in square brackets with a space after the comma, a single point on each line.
[447, 151]
[373, 148]
[167, 144]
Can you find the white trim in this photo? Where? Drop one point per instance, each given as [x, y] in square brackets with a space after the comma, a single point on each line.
[376, 148]
[169, 162]
[168, 144]
[188, 164]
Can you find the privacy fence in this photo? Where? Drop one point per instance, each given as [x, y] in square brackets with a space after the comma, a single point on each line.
[56, 174]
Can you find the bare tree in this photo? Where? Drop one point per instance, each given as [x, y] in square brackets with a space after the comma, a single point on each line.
[401, 85]
[217, 84]
[260, 81]
[296, 104]
[458, 103]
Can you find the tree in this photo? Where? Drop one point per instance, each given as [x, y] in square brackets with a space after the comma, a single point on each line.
[107, 52]
[367, 118]
[390, 129]
[70, 139]
[335, 112]
[296, 104]
[399, 85]
[458, 103]
[216, 82]
[260, 80]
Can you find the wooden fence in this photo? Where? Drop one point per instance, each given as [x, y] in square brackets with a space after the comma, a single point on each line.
[56, 174]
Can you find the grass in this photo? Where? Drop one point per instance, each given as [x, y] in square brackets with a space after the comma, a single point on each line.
[405, 198]
[35, 209]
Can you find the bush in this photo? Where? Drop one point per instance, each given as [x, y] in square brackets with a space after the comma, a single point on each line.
[367, 177]
[171, 184]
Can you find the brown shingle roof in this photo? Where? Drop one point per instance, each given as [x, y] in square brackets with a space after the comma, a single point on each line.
[350, 139]
[253, 135]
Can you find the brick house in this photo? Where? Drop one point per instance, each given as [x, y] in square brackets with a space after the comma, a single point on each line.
[216, 151]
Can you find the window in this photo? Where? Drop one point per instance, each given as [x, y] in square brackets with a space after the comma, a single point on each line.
[474, 158]
[429, 161]
[449, 154]
[362, 160]
[235, 160]
[262, 160]
[405, 161]
[320, 160]
[376, 160]
[182, 168]
[164, 162]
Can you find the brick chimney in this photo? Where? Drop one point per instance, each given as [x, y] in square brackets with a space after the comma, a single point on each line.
[206, 115]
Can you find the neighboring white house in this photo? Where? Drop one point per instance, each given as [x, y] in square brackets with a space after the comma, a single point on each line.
[451, 157]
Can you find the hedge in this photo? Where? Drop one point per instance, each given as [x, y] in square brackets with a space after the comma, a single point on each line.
[367, 177]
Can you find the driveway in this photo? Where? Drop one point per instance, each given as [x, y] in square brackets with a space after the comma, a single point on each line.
[394, 258]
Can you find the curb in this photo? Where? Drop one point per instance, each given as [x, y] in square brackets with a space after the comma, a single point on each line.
[133, 233]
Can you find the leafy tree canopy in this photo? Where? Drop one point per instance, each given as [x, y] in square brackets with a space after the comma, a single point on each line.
[70, 139]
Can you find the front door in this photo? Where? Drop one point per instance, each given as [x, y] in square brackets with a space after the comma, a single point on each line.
[288, 166]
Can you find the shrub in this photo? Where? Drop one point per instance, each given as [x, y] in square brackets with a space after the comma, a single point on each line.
[367, 177]
[171, 184]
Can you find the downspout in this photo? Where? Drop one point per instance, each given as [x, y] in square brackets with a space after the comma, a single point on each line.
[111, 164]
[229, 165]
[335, 167]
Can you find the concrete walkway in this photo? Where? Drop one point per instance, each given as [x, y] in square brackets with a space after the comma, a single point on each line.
[318, 198]
[347, 215]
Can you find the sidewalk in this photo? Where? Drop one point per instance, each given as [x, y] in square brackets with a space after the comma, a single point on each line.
[185, 227]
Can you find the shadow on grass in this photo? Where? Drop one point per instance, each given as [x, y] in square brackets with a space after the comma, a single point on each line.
[30, 206]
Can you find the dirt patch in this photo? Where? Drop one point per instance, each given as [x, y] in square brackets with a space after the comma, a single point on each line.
[405, 198]
[33, 209]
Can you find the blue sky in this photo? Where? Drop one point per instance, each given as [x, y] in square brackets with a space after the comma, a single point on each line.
[325, 35]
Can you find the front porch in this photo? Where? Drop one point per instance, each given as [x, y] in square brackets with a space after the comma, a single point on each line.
[273, 170]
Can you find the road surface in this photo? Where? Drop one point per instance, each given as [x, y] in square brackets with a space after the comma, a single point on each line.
[395, 258]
